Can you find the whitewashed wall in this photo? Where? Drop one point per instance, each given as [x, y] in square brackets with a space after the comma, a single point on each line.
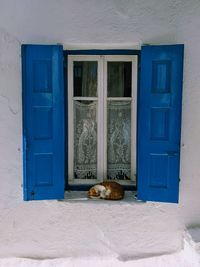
[48, 229]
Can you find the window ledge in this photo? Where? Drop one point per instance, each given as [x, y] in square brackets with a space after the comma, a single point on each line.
[81, 196]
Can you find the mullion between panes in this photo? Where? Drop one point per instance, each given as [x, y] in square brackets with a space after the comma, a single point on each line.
[105, 117]
[100, 126]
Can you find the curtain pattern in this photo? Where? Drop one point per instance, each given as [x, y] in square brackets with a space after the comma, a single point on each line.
[119, 140]
[85, 140]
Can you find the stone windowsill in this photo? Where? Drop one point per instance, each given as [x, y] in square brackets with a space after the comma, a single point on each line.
[81, 196]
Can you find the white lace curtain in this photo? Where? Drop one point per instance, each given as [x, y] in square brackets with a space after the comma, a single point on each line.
[119, 140]
[85, 140]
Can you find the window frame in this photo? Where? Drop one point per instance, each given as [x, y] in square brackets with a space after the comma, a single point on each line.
[106, 53]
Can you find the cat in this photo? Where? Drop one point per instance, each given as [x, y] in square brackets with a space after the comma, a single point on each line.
[108, 190]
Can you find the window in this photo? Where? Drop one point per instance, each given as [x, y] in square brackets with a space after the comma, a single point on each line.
[102, 93]
[94, 106]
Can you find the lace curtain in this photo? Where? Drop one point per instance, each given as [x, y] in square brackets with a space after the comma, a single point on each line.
[85, 140]
[119, 140]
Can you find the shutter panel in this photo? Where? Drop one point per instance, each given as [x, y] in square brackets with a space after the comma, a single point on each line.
[43, 121]
[159, 122]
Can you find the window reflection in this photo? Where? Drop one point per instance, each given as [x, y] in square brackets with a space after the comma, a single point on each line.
[119, 79]
[85, 78]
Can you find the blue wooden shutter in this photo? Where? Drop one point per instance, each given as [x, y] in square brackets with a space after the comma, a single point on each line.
[159, 122]
[43, 121]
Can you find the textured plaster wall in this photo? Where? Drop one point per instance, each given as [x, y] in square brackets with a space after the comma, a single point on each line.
[48, 229]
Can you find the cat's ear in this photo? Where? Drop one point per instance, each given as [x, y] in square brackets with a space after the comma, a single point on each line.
[108, 192]
[97, 191]
[103, 192]
[92, 193]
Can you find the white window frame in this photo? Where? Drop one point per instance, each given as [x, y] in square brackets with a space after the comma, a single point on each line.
[101, 115]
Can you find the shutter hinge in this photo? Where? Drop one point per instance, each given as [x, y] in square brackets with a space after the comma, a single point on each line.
[25, 143]
[64, 63]
[138, 200]
[32, 194]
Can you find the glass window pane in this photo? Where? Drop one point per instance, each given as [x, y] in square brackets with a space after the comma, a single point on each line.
[119, 79]
[85, 139]
[119, 140]
[85, 78]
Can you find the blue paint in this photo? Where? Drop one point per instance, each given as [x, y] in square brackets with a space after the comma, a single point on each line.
[43, 121]
[159, 119]
[103, 52]
[159, 123]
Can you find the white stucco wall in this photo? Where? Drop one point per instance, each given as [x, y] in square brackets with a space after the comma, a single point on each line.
[124, 230]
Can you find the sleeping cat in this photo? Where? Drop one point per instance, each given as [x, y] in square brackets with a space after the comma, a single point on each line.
[106, 190]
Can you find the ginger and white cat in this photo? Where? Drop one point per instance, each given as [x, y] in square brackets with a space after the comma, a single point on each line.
[109, 190]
